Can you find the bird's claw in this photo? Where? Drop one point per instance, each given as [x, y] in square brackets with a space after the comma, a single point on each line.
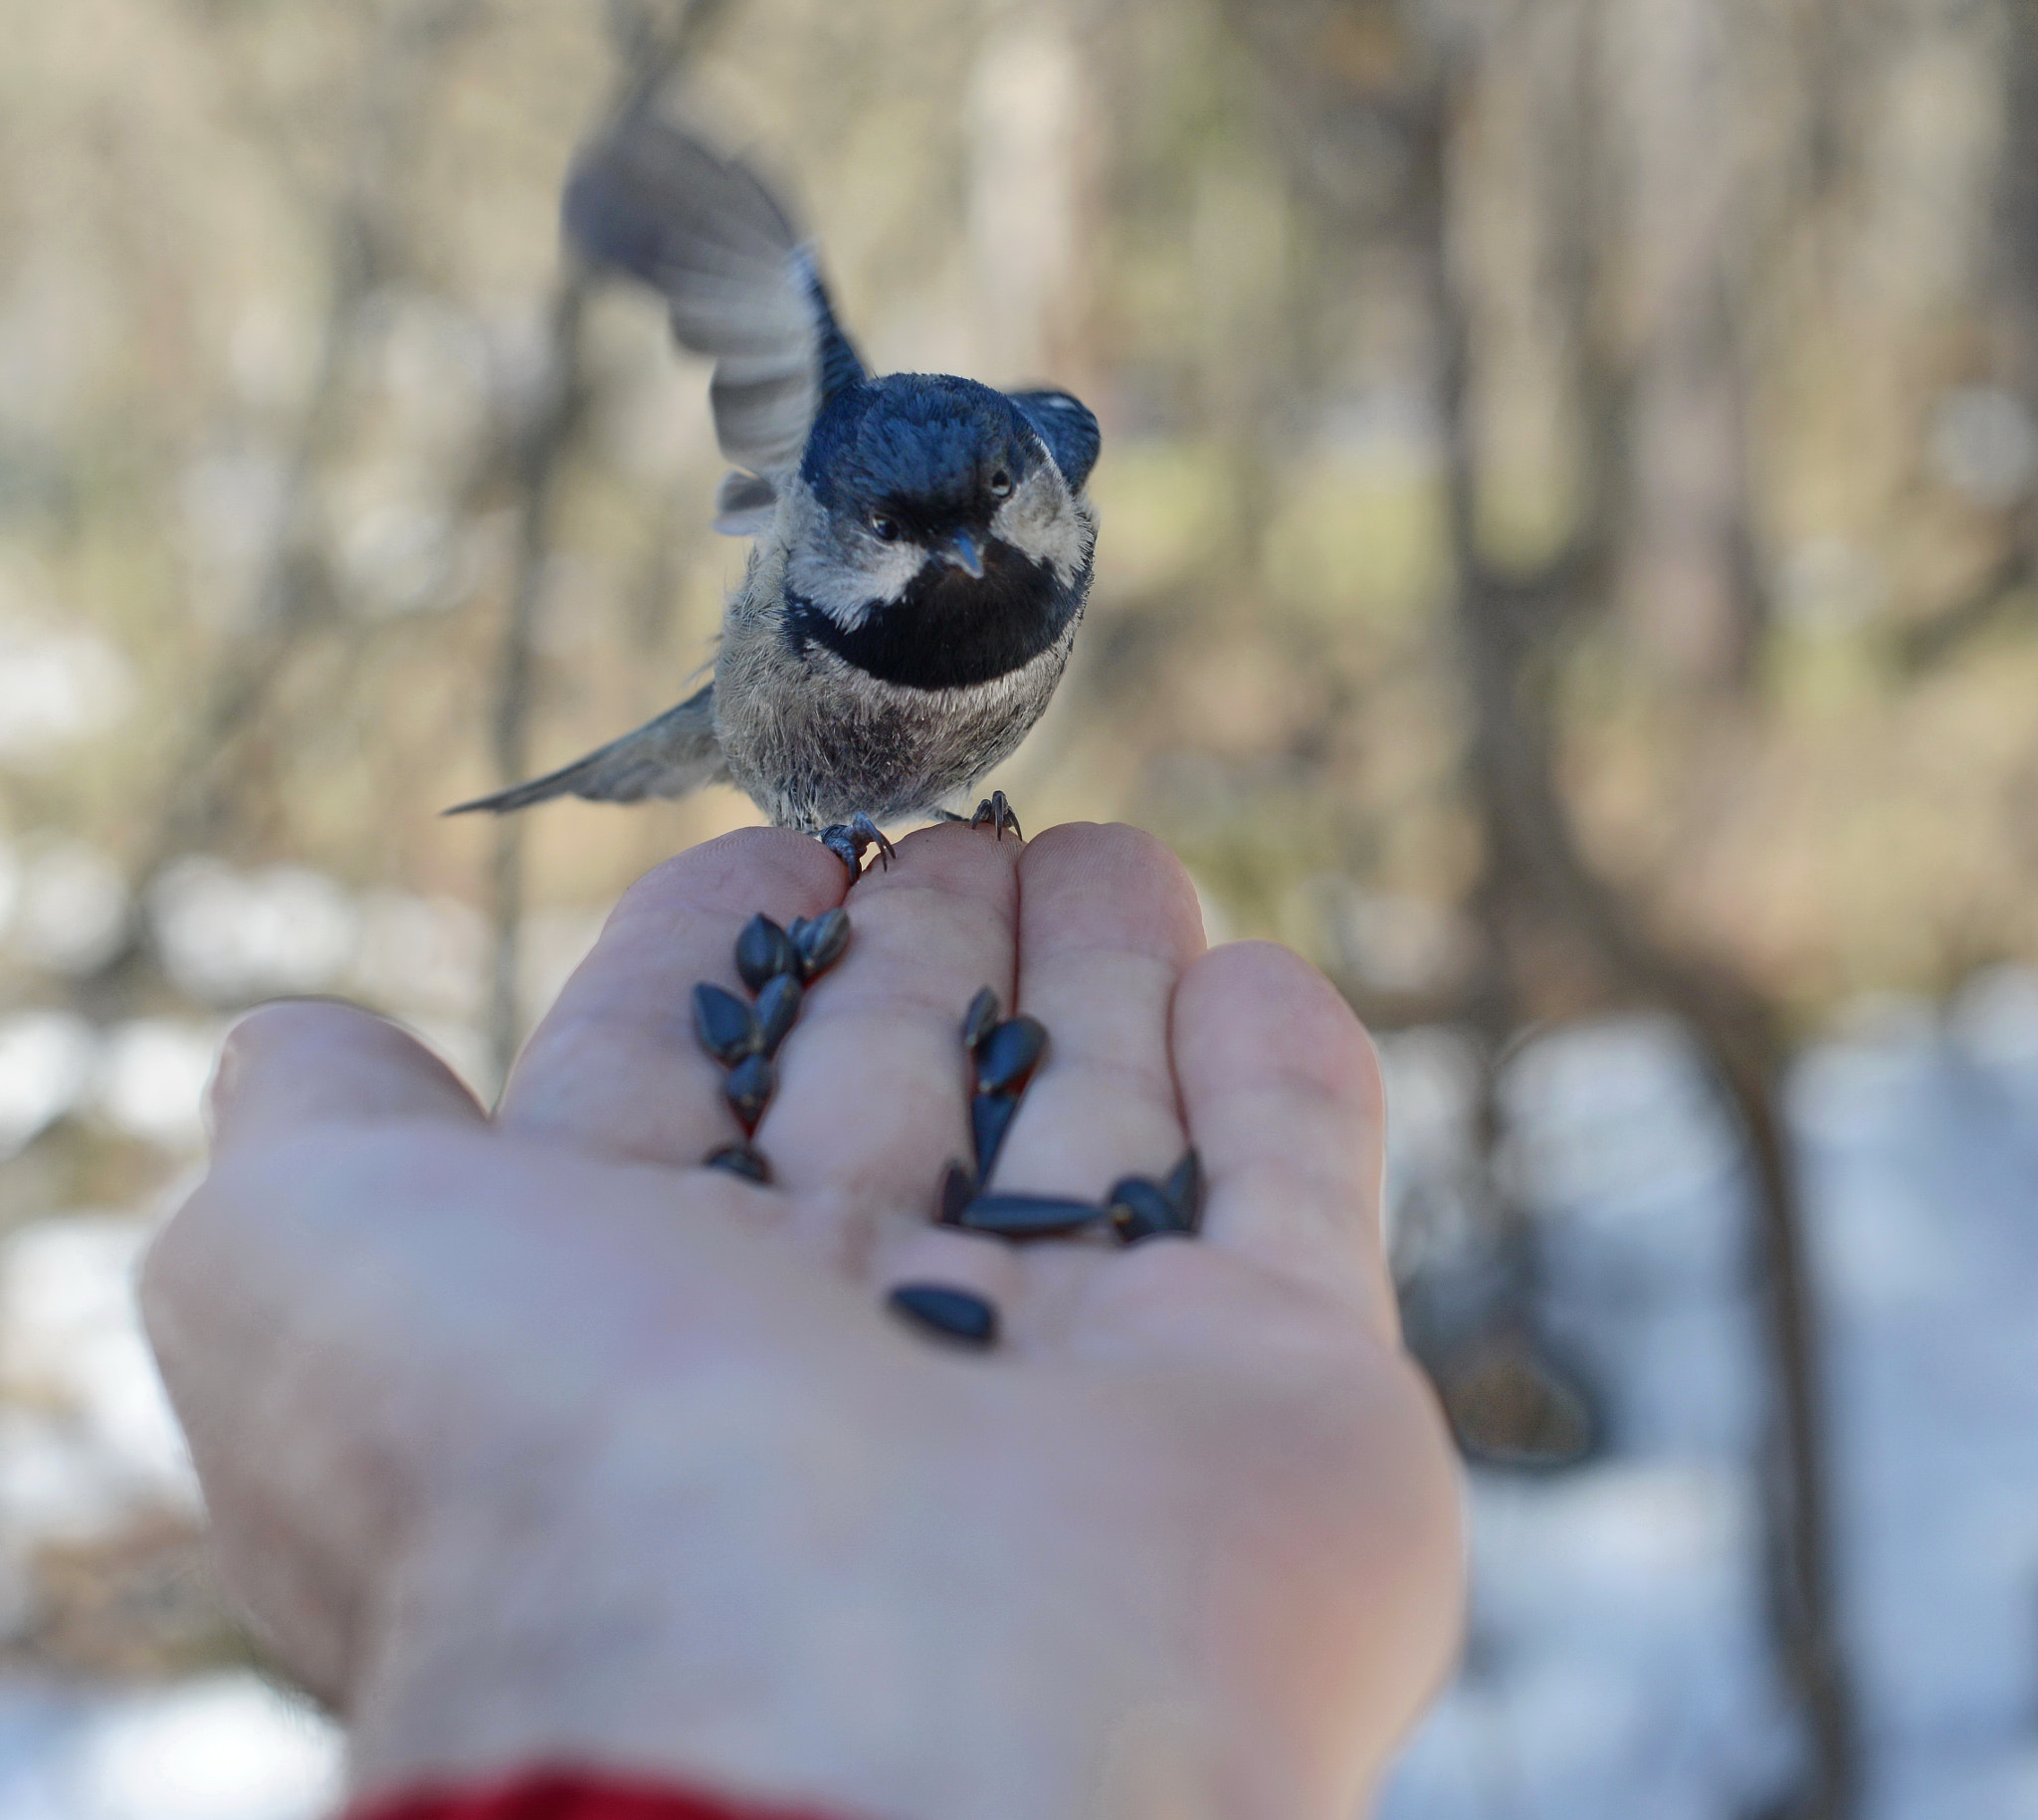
[847, 841]
[996, 813]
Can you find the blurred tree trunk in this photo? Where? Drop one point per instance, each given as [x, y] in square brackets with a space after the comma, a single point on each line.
[2005, 586]
[542, 449]
[1662, 536]
[1665, 533]
[1686, 585]
[652, 38]
[210, 787]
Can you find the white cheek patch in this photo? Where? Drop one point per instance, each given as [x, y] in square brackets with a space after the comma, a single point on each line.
[838, 567]
[1041, 521]
[846, 585]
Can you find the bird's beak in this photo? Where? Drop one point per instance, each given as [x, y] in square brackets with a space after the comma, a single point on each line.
[963, 551]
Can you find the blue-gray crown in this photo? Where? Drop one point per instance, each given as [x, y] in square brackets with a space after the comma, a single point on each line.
[933, 440]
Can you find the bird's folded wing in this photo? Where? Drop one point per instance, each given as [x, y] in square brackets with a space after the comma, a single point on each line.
[670, 756]
[1068, 427]
[654, 201]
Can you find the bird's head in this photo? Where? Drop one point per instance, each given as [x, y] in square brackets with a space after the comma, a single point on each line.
[932, 489]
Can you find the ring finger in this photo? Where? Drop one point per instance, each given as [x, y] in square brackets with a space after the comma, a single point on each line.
[872, 1100]
[1108, 921]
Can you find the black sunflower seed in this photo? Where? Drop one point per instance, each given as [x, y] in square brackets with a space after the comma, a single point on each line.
[777, 1005]
[739, 1159]
[1028, 1216]
[724, 1024]
[765, 951]
[981, 1019]
[820, 942]
[1184, 1190]
[1140, 1209]
[957, 1188]
[1008, 1055]
[952, 1314]
[989, 1116]
[749, 1089]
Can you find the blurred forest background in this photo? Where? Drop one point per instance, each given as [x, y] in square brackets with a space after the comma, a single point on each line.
[1567, 566]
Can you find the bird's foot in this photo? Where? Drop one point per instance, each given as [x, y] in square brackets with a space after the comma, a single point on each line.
[996, 813]
[847, 841]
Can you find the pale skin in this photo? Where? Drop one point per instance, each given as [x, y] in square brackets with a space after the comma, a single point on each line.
[529, 1440]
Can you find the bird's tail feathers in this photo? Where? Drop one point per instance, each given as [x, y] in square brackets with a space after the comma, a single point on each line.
[670, 756]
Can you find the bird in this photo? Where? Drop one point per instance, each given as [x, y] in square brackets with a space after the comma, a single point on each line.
[922, 544]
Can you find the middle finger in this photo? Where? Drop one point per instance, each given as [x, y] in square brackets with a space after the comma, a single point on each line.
[872, 1098]
[614, 1068]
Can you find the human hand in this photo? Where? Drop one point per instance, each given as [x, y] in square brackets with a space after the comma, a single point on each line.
[527, 1440]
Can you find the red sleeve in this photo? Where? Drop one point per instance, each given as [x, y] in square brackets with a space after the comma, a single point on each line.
[559, 1794]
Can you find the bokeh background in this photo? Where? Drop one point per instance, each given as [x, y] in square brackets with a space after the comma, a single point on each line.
[1567, 567]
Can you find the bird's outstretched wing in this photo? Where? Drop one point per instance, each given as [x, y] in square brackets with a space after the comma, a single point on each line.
[744, 504]
[669, 757]
[650, 199]
[1068, 427]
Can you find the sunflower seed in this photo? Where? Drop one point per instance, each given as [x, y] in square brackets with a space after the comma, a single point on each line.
[1139, 1209]
[981, 1019]
[1009, 1053]
[957, 1188]
[765, 951]
[1184, 1190]
[748, 1089]
[777, 1005]
[954, 1313]
[820, 941]
[724, 1024]
[1028, 1216]
[989, 1116]
[739, 1159]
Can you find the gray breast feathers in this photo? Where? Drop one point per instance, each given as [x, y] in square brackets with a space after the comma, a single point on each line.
[814, 741]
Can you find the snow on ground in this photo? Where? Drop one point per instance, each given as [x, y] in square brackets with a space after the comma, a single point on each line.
[1618, 1663]
[217, 1747]
[87, 1441]
[86, 1433]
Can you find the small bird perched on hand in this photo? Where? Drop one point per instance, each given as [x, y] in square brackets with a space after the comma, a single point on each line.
[923, 543]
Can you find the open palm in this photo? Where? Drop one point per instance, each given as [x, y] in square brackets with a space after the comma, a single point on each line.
[1191, 1527]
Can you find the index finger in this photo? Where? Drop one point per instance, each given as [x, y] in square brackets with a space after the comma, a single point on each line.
[1282, 1090]
[614, 1068]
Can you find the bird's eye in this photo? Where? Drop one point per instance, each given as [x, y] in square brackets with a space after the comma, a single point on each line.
[888, 528]
[1001, 484]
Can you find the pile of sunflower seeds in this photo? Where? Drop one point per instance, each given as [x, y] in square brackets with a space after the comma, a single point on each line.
[1004, 1053]
[778, 965]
